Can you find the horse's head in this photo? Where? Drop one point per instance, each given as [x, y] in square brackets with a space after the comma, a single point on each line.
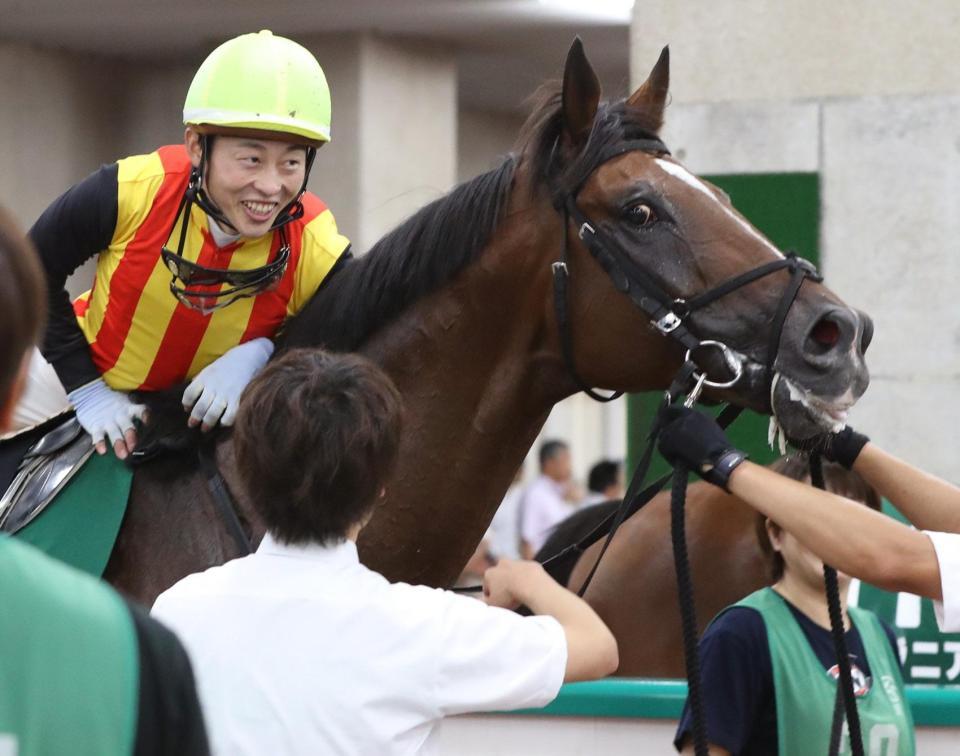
[676, 237]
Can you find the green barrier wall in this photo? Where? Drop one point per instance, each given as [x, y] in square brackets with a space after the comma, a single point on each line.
[663, 699]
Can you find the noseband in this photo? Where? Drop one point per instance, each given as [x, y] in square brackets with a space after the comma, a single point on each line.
[667, 314]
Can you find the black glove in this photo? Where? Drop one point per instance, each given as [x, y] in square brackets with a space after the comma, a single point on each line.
[843, 447]
[696, 440]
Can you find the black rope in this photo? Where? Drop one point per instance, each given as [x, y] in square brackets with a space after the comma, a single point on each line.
[688, 613]
[845, 682]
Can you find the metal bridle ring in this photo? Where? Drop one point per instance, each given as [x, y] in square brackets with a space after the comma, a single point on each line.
[732, 361]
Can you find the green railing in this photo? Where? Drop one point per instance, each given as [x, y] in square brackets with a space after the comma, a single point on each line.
[663, 699]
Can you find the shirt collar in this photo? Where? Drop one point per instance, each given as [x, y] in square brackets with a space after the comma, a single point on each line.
[221, 237]
[344, 552]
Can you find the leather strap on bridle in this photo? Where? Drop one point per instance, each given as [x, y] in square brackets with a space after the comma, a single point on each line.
[222, 498]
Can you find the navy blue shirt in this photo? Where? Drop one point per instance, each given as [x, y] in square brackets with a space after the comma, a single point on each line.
[739, 702]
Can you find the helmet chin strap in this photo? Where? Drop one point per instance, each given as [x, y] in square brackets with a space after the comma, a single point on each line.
[290, 212]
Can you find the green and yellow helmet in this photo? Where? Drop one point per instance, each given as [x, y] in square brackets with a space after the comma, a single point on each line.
[262, 83]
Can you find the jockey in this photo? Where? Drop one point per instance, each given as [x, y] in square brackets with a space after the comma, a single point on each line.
[204, 249]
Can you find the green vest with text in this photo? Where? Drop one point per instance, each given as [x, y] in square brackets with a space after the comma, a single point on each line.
[805, 692]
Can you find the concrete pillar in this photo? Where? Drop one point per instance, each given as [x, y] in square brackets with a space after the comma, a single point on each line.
[736, 50]
[394, 132]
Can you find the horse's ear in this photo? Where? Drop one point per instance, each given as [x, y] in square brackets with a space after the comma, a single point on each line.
[581, 95]
[652, 94]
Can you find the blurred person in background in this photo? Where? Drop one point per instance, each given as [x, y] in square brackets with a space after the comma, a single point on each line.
[549, 499]
[604, 482]
[504, 532]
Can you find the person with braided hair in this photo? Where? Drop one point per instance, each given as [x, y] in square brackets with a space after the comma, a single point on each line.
[768, 663]
[862, 543]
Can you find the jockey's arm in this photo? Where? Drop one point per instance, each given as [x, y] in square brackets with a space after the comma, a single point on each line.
[75, 227]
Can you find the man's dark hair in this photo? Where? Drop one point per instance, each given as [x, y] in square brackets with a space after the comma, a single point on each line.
[603, 475]
[317, 437]
[550, 449]
[836, 478]
[23, 301]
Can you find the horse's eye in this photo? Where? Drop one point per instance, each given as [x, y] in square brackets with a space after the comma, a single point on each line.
[641, 215]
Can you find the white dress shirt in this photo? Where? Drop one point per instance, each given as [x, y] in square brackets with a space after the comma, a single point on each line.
[947, 546]
[543, 507]
[303, 650]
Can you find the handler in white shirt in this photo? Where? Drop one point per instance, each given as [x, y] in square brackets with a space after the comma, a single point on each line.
[300, 649]
[854, 539]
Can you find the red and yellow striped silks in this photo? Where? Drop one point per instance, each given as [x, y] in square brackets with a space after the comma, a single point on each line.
[140, 335]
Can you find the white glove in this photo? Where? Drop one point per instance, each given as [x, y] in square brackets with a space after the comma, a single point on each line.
[105, 412]
[214, 395]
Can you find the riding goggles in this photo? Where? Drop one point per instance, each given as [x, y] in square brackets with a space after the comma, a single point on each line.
[200, 287]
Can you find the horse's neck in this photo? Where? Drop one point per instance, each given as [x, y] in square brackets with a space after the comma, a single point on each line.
[478, 374]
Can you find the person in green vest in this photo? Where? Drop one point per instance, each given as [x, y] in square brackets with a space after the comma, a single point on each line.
[82, 671]
[768, 665]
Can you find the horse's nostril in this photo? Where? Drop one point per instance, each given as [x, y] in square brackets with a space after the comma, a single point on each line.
[866, 333]
[826, 333]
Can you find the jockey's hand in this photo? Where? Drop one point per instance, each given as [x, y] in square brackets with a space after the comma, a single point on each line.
[214, 395]
[104, 412]
[696, 440]
[842, 447]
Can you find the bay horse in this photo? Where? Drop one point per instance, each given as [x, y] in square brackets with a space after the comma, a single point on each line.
[635, 587]
[456, 304]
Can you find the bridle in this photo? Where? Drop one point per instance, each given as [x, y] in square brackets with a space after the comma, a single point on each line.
[670, 316]
[667, 314]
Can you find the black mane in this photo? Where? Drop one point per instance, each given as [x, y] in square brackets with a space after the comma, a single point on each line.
[434, 245]
[416, 258]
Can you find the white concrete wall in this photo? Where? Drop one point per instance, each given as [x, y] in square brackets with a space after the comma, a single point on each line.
[52, 126]
[870, 101]
[506, 735]
[408, 150]
[483, 140]
[735, 50]
[394, 137]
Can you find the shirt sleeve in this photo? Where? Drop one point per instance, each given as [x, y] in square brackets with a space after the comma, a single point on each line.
[947, 548]
[492, 659]
[734, 679]
[169, 717]
[76, 226]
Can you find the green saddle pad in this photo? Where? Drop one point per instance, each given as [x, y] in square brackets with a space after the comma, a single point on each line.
[80, 525]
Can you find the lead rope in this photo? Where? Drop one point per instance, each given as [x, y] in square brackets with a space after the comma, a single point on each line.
[845, 683]
[688, 614]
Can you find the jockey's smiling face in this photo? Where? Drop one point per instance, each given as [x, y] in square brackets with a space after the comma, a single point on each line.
[252, 179]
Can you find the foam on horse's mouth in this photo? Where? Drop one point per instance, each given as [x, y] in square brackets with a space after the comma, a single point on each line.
[830, 415]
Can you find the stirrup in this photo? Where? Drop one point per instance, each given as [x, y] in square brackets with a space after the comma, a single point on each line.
[45, 469]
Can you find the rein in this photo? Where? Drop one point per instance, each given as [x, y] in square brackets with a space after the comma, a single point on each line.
[667, 315]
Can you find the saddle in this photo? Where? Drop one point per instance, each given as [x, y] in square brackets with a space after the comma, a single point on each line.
[47, 466]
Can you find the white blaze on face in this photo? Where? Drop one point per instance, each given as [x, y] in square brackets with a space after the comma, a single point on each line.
[678, 171]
